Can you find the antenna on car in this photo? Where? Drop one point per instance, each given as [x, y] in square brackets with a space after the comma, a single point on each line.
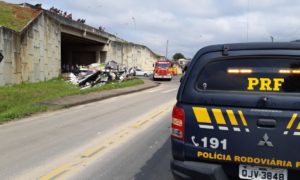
[225, 50]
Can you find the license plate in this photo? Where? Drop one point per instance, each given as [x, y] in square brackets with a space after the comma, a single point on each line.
[262, 173]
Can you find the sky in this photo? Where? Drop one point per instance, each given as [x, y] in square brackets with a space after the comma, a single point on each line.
[187, 25]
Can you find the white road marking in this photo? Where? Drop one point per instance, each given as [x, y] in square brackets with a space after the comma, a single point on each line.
[206, 126]
[285, 132]
[170, 90]
[247, 130]
[236, 129]
[154, 90]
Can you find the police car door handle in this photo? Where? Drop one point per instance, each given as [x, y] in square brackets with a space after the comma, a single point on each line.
[266, 123]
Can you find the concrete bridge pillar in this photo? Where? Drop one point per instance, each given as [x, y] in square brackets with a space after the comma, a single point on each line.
[98, 56]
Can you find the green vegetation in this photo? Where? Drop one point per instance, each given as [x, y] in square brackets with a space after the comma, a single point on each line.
[24, 99]
[15, 17]
[178, 56]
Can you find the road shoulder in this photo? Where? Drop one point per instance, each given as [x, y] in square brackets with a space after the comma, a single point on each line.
[70, 101]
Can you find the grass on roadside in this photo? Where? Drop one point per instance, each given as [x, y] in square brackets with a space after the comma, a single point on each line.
[14, 16]
[21, 100]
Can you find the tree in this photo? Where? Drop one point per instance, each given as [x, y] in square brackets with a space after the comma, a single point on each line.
[178, 56]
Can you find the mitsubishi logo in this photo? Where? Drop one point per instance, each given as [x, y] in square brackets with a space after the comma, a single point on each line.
[265, 141]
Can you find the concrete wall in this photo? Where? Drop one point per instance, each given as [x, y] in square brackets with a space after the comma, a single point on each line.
[131, 55]
[32, 55]
[35, 53]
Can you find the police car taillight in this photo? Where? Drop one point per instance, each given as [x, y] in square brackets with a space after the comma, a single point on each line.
[178, 123]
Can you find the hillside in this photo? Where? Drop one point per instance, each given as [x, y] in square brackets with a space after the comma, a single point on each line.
[14, 16]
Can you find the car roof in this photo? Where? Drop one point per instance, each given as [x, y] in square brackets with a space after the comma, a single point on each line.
[226, 48]
[252, 46]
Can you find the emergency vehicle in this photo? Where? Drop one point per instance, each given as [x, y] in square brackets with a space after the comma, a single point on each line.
[237, 114]
[162, 70]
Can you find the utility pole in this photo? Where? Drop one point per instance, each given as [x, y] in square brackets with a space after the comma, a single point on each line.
[133, 58]
[167, 49]
[272, 38]
[134, 22]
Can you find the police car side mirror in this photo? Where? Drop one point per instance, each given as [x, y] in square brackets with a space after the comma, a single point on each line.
[1, 57]
[181, 79]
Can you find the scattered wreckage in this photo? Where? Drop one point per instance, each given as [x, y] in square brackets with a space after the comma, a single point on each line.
[96, 74]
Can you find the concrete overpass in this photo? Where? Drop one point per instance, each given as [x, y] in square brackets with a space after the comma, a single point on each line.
[50, 44]
[80, 44]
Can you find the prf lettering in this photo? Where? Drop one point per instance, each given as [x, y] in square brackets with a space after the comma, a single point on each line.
[265, 84]
[297, 164]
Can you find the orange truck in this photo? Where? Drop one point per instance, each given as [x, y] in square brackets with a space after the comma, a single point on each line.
[162, 70]
[173, 70]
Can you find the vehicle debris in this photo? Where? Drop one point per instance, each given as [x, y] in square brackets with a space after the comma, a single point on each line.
[96, 74]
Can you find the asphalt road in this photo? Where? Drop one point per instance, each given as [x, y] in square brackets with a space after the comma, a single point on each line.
[142, 157]
[125, 137]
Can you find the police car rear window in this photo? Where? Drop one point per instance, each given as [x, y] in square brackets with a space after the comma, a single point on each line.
[258, 75]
